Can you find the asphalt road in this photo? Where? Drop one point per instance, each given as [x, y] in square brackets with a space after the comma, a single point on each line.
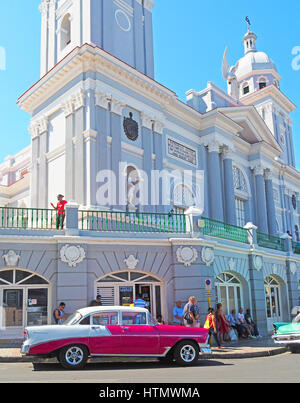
[278, 369]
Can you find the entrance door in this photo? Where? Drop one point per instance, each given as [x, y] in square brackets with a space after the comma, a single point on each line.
[37, 307]
[12, 308]
[273, 303]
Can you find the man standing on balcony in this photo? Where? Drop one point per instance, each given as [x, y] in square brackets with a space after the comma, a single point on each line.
[60, 207]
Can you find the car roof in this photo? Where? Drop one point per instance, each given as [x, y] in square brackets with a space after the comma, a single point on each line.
[95, 309]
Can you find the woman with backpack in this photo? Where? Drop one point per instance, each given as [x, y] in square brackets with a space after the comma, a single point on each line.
[211, 325]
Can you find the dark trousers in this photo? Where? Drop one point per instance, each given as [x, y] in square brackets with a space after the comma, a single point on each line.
[215, 335]
[241, 330]
[60, 219]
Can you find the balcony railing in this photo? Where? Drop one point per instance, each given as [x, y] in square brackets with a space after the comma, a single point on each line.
[296, 247]
[219, 229]
[270, 242]
[131, 222]
[27, 218]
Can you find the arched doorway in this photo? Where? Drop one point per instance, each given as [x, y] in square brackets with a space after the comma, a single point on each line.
[24, 301]
[273, 301]
[122, 288]
[229, 292]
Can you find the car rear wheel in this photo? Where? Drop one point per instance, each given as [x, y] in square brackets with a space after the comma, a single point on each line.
[73, 357]
[186, 353]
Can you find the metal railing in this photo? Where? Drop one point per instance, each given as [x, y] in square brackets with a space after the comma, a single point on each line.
[219, 229]
[270, 242]
[296, 247]
[131, 222]
[27, 218]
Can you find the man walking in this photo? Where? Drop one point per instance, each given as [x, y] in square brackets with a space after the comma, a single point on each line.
[189, 312]
[60, 208]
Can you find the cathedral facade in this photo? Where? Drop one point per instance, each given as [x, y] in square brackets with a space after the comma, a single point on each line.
[162, 194]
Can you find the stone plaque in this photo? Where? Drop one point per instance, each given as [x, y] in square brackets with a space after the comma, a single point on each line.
[182, 152]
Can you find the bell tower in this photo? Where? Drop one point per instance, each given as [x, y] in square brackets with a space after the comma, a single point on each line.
[123, 28]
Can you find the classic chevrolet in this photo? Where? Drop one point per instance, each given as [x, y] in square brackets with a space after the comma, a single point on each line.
[287, 334]
[116, 332]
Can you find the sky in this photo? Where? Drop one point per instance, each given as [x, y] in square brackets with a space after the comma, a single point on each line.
[190, 37]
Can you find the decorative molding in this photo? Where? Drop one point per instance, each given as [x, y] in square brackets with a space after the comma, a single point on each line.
[79, 99]
[214, 147]
[158, 127]
[68, 107]
[117, 106]
[72, 255]
[258, 262]
[131, 262]
[228, 153]
[186, 255]
[258, 170]
[11, 258]
[208, 255]
[147, 120]
[101, 99]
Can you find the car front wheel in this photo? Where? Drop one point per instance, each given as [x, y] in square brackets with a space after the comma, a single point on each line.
[73, 357]
[186, 353]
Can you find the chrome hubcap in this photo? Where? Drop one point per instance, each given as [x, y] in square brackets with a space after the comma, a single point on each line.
[188, 353]
[74, 356]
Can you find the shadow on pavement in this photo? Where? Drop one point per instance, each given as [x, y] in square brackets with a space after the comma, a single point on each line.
[113, 366]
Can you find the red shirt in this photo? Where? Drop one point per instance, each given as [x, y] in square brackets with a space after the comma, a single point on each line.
[61, 207]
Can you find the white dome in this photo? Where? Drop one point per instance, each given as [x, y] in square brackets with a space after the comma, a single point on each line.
[253, 61]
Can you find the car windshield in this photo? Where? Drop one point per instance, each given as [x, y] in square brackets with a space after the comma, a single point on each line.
[151, 320]
[73, 319]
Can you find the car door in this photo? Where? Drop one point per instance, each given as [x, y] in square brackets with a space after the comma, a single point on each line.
[105, 334]
[138, 337]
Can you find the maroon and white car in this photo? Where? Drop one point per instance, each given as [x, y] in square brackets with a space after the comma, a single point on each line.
[114, 332]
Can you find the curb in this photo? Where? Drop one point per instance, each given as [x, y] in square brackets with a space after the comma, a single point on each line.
[257, 354]
[265, 353]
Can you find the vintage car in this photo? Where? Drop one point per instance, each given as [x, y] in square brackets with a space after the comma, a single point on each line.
[114, 332]
[287, 334]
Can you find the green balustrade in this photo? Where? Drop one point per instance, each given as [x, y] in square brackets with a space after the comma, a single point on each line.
[296, 247]
[27, 218]
[222, 230]
[270, 242]
[119, 221]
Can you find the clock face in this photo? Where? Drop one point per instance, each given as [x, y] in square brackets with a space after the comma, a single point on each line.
[122, 20]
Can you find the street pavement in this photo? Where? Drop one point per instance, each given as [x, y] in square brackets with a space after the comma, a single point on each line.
[281, 368]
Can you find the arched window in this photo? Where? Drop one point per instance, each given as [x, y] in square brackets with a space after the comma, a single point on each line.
[272, 297]
[262, 83]
[65, 31]
[229, 292]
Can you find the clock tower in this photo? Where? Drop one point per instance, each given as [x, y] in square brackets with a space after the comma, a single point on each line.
[122, 28]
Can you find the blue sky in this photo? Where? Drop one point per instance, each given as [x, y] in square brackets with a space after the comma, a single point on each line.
[190, 37]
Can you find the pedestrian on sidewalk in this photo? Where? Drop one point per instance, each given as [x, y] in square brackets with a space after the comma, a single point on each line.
[222, 324]
[211, 325]
[178, 314]
[59, 314]
[189, 313]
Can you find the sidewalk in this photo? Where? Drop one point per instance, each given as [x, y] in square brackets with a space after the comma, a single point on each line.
[265, 347]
